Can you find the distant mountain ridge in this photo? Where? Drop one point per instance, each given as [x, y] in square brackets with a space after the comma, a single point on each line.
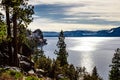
[114, 32]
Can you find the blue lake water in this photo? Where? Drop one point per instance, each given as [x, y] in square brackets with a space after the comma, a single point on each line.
[87, 51]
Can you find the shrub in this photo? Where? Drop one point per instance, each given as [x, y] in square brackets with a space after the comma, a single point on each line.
[15, 74]
[31, 78]
[64, 79]
[10, 75]
[6, 76]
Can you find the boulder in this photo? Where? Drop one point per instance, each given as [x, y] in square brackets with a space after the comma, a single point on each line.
[26, 64]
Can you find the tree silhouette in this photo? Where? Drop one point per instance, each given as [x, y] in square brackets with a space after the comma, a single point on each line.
[6, 4]
[115, 66]
[94, 72]
[94, 76]
[19, 13]
[62, 53]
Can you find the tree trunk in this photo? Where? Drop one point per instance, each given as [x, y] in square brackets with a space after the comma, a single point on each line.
[16, 61]
[9, 35]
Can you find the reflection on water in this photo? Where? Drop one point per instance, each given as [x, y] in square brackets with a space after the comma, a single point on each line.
[86, 46]
[87, 51]
[86, 60]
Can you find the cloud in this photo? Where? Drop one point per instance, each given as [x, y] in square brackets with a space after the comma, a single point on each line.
[37, 2]
[75, 14]
[68, 27]
[34, 2]
[48, 25]
[79, 13]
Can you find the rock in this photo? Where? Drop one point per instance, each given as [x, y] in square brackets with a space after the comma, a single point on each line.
[39, 72]
[31, 72]
[12, 68]
[26, 64]
[60, 76]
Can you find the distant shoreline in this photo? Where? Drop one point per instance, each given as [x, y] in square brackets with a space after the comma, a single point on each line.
[114, 32]
[84, 36]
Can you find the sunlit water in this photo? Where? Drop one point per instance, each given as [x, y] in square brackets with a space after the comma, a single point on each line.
[87, 51]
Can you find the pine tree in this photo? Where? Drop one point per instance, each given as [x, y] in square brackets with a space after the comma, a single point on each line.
[62, 53]
[6, 4]
[94, 72]
[18, 12]
[93, 76]
[115, 66]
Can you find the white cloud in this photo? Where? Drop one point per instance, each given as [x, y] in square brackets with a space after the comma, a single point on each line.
[101, 9]
[36, 2]
[96, 2]
[48, 25]
[105, 9]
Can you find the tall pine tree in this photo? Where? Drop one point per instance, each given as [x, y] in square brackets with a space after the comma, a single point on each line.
[6, 5]
[62, 53]
[115, 66]
[18, 12]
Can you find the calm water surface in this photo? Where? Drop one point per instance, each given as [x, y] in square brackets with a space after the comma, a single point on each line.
[87, 51]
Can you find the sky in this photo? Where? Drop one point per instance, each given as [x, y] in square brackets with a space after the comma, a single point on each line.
[67, 15]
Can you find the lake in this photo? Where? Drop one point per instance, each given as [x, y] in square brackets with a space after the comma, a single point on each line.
[87, 51]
